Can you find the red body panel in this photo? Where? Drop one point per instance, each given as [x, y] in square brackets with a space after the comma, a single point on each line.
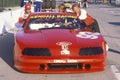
[67, 61]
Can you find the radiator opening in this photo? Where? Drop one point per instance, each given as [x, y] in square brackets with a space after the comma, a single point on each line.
[65, 66]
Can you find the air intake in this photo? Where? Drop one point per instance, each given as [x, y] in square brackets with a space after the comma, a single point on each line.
[65, 66]
[36, 52]
[90, 51]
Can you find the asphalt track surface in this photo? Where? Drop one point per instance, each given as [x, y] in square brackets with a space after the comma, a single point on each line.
[108, 18]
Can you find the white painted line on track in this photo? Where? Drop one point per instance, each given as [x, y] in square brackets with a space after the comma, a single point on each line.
[115, 71]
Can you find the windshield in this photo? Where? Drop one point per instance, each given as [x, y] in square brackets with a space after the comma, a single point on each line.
[53, 22]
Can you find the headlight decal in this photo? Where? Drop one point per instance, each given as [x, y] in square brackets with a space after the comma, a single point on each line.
[90, 51]
[36, 52]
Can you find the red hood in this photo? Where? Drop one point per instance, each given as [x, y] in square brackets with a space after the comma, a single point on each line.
[51, 38]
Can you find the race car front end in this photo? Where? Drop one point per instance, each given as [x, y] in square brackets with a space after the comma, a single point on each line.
[63, 54]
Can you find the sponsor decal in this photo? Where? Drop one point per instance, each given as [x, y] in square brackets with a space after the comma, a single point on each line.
[64, 46]
[65, 61]
[53, 16]
[88, 35]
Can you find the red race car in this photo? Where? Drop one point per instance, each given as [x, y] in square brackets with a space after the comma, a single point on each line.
[58, 43]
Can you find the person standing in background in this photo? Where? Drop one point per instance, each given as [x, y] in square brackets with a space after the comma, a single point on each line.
[32, 5]
[79, 2]
[85, 3]
[32, 2]
[38, 5]
[27, 10]
[23, 2]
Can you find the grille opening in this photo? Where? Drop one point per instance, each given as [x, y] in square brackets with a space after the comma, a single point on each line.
[65, 66]
[87, 66]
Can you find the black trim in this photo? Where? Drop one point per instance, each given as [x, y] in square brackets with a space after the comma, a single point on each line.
[90, 51]
[36, 52]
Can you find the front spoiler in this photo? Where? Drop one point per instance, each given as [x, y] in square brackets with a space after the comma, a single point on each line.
[70, 65]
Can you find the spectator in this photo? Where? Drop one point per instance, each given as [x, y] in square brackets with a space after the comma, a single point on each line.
[32, 2]
[38, 5]
[85, 3]
[86, 19]
[61, 8]
[79, 2]
[27, 10]
[24, 2]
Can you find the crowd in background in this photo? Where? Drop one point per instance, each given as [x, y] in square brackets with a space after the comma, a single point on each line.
[40, 5]
[86, 20]
[37, 5]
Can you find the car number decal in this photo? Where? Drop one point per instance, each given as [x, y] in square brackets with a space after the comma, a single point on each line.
[87, 35]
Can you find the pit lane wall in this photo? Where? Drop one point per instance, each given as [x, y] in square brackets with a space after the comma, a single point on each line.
[8, 20]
